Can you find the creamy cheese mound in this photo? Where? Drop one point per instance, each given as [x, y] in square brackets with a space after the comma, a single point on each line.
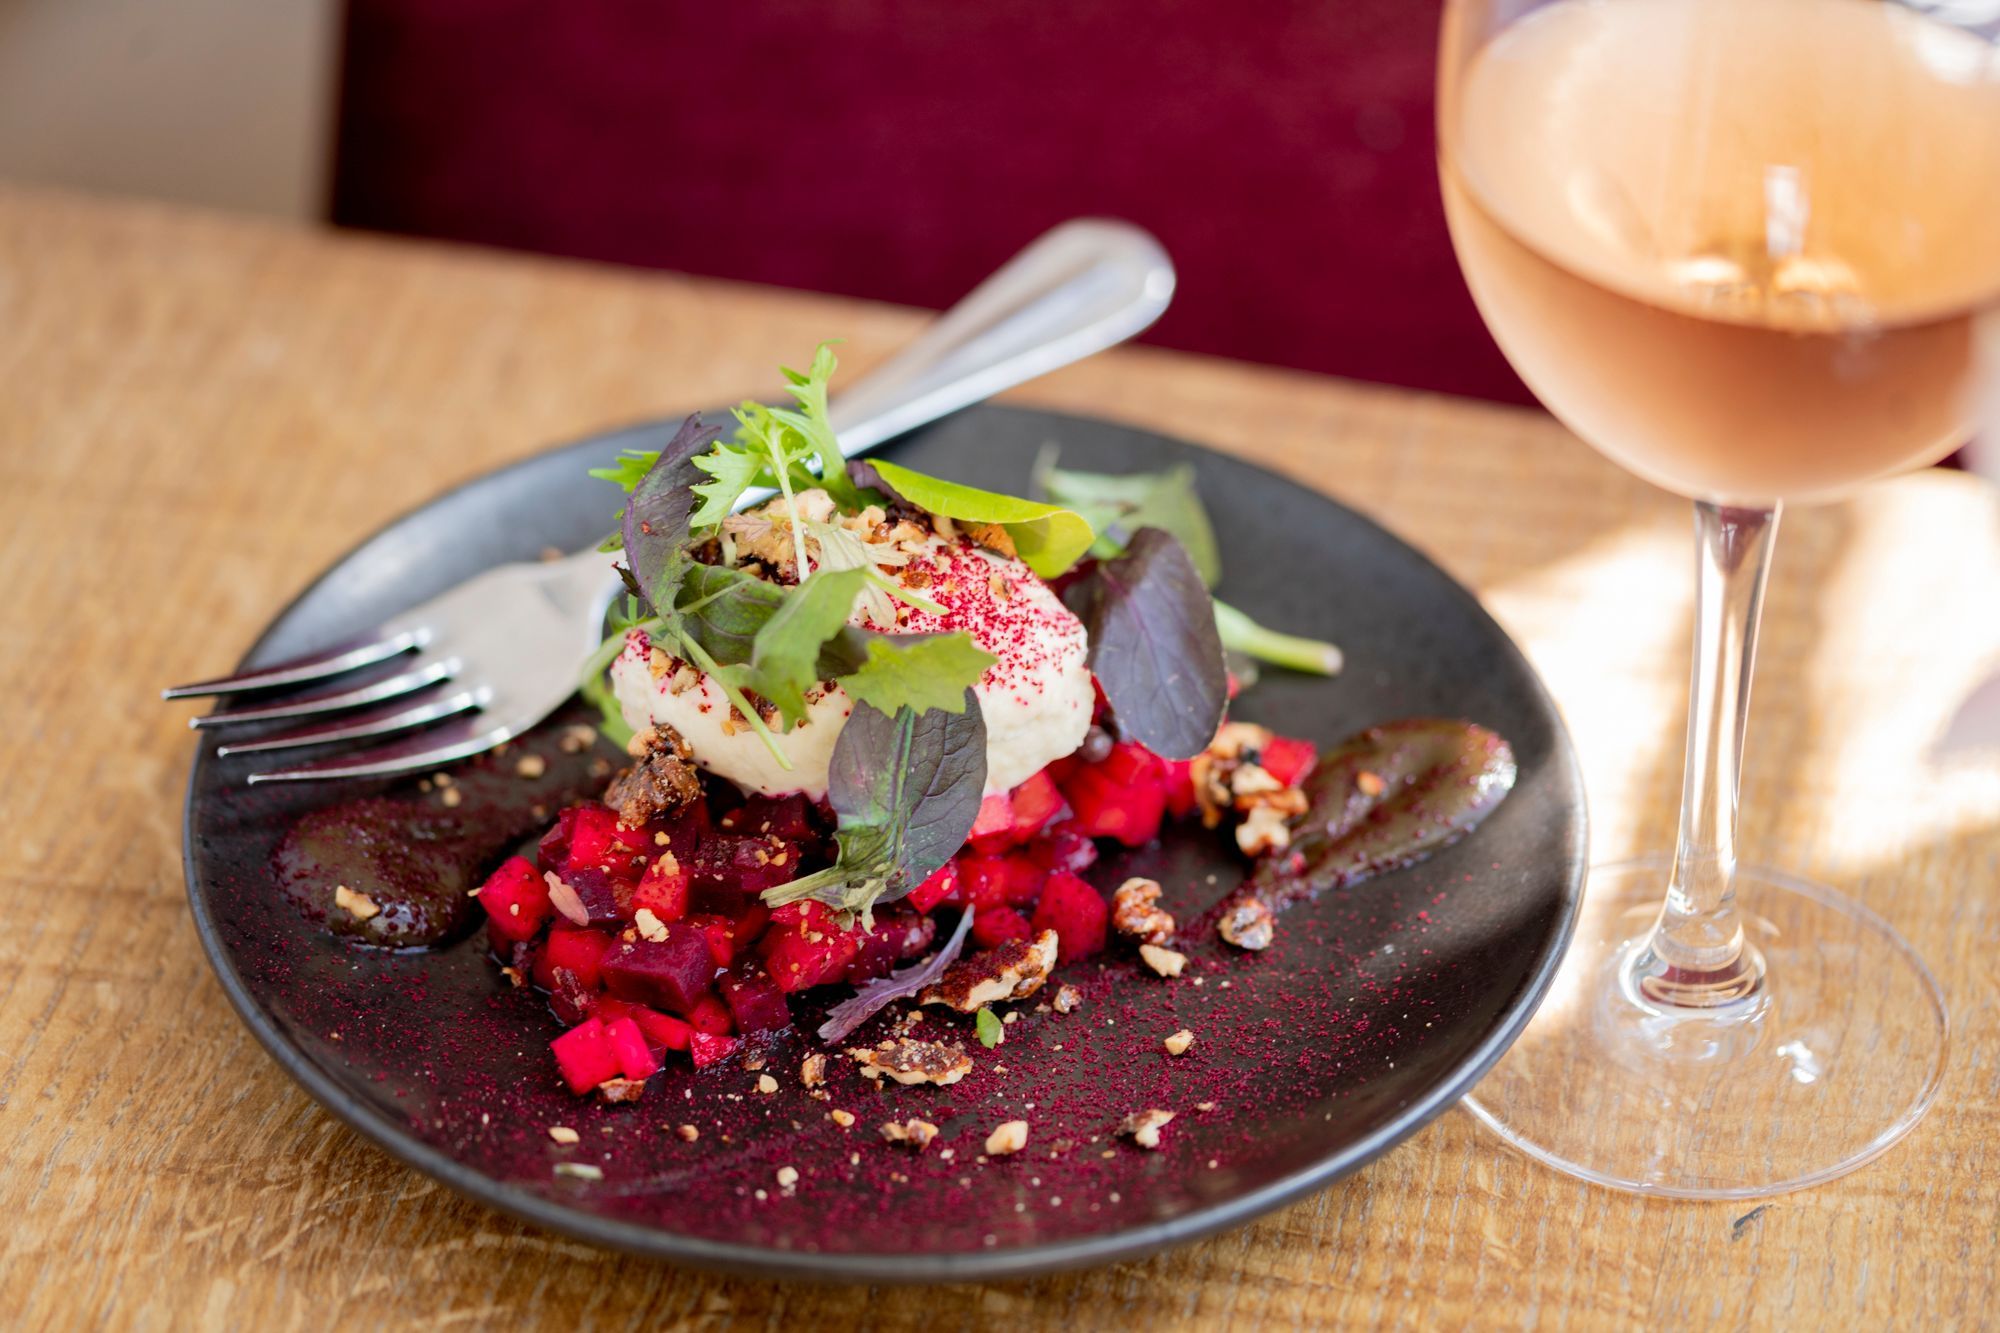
[1037, 698]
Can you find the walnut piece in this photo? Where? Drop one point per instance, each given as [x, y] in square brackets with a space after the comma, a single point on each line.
[1179, 1042]
[1135, 911]
[1068, 998]
[621, 1089]
[812, 1070]
[1010, 1137]
[1010, 971]
[910, 1061]
[1166, 962]
[1144, 1126]
[1248, 924]
[916, 1134]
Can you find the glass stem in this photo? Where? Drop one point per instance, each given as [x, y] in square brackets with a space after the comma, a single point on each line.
[1698, 956]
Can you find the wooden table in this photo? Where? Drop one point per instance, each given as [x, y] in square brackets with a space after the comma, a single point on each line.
[197, 414]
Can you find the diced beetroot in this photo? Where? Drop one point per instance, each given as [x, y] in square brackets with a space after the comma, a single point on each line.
[993, 830]
[628, 1042]
[803, 947]
[516, 899]
[585, 1056]
[684, 830]
[788, 817]
[568, 1000]
[1109, 808]
[1057, 770]
[1037, 803]
[755, 1002]
[899, 933]
[670, 973]
[1289, 759]
[708, 1047]
[605, 901]
[1075, 911]
[663, 890]
[1179, 787]
[709, 1014]
[941, 887]
[730, 934]
[743, 864]
[553, 850]
[997, 925]
[1064, 848]
[1012, 880]
[575, 948]
[593, 835]
[1131, 764]
[662, 1030]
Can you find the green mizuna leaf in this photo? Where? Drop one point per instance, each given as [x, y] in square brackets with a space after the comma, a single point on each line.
[731, 472]
[1049, 537]
[917, 671]
[785, 651]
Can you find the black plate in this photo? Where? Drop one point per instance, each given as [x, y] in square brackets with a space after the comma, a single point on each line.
[1379, 1007]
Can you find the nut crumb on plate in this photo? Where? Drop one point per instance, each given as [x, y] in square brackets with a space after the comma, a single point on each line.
[621, 1089]
[1068, 998]
[1166, 962]
[563, 1134]
[911, 1061]
[1178, 1043]
[1248, 924]
[1144, 1126]
[688, 1133]
[1135, 911]
[766, 1084]
[840, 1117]
[915, 1133]
[357, 905]
[1010, 1137]
[812, 1070]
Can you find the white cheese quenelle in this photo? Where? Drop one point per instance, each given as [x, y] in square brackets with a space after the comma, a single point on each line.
[1037, 698]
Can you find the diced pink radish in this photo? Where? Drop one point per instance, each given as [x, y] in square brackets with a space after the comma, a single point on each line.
[941, 887]
[670, 973]
[516, 899]
[1289, 759]
[585, 1056]
[709, 1014]
[663, 890]
[1075, 911]
[593, 835]
[709, 1047]
[1064, 848]
[662, 1030]
[804, 948]
[578, 950]
[991, 881]
[628, 1042]
[997, 925]
[993, 830]
[755, 1002]
[1037, 803]
[1131, 764]
[1107, 807]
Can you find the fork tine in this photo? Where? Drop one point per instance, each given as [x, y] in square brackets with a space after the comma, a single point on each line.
[403, 682]
[397, 716]
[467, 734]
[314, 666]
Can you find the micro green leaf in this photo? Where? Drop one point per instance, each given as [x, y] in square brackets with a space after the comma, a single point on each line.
[1048, 537]
[991, 1030]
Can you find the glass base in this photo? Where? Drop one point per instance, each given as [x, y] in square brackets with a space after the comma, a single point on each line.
[1835, 1056]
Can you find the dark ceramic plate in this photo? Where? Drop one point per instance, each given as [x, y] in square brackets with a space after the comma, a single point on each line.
[1379, 1007]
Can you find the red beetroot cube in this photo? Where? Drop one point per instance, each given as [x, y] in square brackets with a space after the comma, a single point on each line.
[755, 1002]
[997, 925]
[663, 889]
[1179, 788]
[729, 935]
[576, 949]
[593, 836]
[585, 1056]
[670, 973]
[1132, 764]
[1076, 912]
[709, 1014]
[1289, 759]
[568, 1000]
[941, 887]
[606, 901]
[628, 1042]
[709, 1047]
[899, 933]
[1064, 848]
[743, 864]
[803, 948]
[788, 817]
[516, 899]
[662, 1030]
[553, 850]
[1108, 808]
[1038, 802]
[993, 830]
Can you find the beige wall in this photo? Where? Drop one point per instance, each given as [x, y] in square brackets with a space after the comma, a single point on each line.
[219, 102]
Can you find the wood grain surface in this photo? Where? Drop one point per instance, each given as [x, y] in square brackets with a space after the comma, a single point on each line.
[197, 414]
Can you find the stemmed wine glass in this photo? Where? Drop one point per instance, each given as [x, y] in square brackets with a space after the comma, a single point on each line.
[1750, 250]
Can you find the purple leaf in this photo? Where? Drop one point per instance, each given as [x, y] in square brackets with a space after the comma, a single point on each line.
[872, 996]
[656, 516]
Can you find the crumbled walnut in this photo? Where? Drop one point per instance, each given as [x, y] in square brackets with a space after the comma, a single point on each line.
[621, 1089]
[1135, 911]
[788, 1176]
[1248, 924]
[357, 905]
[649, 925]
[577, 738]
[688, 1133]
[993, 536]
[1144, 1126]
[812, 1070]
[563, 1134]
[1178, 1043]
[1010, 1137]
[452, 798]
[840, 1117]
[916, 1134]
[1252, 779]
[1013, 970]
[531, 766]
[1068, 998]
[514, 977]
[661, 782]
[1166, 962]
[1263, 830]
[766, 1084]
[911, 1061]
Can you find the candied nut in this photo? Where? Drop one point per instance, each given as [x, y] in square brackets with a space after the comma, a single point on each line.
[621, 1089]
[357, 905]
[531, 766]
[1370, 784]
[1252, 779]
[812, 1070]
[1179, 1042]
[661, 782]
[1013, 970]
[650, 926]
[1248, 924]
[916, 1134]
[563, 1134]
[840, 1117]
[1263, 830]
[911, 1061]
[1068, 998]
[1135, 911]
[766, 1084]
[1010, 1137]
[1144, 1126]
[1166, 962]
[688, 1133]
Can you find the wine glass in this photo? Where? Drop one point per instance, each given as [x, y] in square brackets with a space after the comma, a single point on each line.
[1750, 250]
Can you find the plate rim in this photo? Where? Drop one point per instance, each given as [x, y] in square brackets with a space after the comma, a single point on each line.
[746, 1260]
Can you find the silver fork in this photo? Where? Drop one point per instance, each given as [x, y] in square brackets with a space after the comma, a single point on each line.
[470, 681]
